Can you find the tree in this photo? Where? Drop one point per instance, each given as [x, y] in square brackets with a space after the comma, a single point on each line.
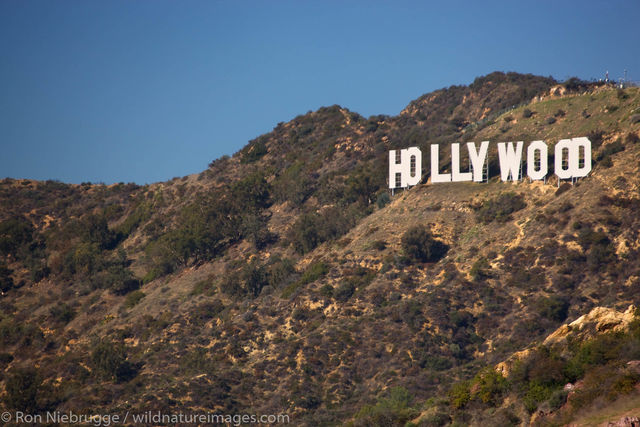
[22, 387]
[14, 233]
[109, 361]
[419, 245]
[6, 282]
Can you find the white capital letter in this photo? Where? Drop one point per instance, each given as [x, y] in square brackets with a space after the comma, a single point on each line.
[510, 159]
[585, 143]
[573, 169]
[541, 148]
[401, 163]
[456, 175]
[436, 176]
[477, 158]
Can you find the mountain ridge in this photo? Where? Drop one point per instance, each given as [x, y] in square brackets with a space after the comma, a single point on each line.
[280, 279]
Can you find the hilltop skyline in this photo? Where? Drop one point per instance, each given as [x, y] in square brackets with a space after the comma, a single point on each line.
[141, 92]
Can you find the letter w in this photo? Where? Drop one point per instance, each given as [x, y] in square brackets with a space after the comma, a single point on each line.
[510, 160]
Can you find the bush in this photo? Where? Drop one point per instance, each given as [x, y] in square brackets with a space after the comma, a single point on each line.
[621, 94]
[14, 233]
[489, 386]
[312, 229]
[109, 362]
[379, 245]
[553, 308]
[5, 359]
[383, 200]
[596, 137]
[526, 113]
[419, 245]
[206, 311]
[252, 192]
[550, 120]
[344, 291]
[22, 388]
[254, 151]
[6, 282]
[459, 395]
[480, 269]
[394, 410]
[635, 118]
[294, 185]
[63, 313]
[133, 299]
[632, 138]
[279, 271]
[255, 229]
[255, 278]
[610, 149]
[314, 272]
[500, 208]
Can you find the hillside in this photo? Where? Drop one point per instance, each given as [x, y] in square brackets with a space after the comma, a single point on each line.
[286, 280]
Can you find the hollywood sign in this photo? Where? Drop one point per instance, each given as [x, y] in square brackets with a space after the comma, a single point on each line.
[572, 159]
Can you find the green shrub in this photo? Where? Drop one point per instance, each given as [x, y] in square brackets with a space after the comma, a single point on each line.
[22, 387]
[553, 308]
[536, 394]
[480, 269]
[312, 229]
[526, 113]
[394, 410]
[379, 245]
[255, 278]
[489, 386]
[206, 311]
[459, 395]
[557, 399]
[280, 271]
[254, 151]
[621, 94]
[294, 185]
[326, 291]
[5, 360]
[314, 272]
[62, 313]
[255, 229]
[604, 155]
[95, 230]
[133, 299]
[632, 138]
[252, 193]
[500, 208]
[419, 245]
[383, 200]
[343, 292]
[304, 233]
[140, 214]
[14, 233]
[6, 282]
[109, 362]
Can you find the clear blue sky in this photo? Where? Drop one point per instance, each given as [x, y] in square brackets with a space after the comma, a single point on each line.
[142, 91]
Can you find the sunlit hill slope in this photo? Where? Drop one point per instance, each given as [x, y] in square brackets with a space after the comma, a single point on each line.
[287, 280]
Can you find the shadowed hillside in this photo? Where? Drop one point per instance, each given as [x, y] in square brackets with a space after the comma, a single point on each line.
[286, 279]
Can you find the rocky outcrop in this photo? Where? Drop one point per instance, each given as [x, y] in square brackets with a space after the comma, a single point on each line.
[597, 321]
